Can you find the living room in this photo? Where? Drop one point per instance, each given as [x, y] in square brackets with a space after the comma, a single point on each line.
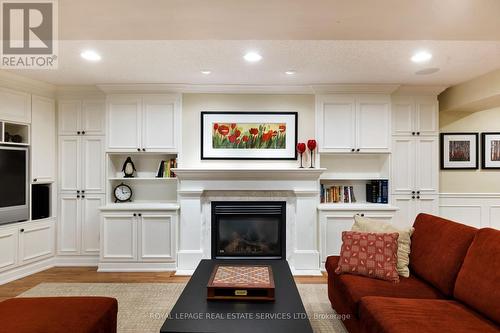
[326, 168]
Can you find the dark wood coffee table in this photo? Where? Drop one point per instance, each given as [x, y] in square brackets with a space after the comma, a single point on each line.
[194, 314]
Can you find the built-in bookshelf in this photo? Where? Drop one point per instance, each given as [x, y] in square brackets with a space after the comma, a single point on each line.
[150, 184]
[355, 180]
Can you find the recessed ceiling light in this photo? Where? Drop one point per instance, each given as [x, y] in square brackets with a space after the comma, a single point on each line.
[206, 72]
[90, 55]
[252, 57]
[290, 72]
[421, 56]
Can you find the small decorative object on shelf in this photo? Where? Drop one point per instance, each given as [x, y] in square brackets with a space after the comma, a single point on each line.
[123, 193]
[17, 138]
[301, 148]
[128, 168]
[7, 137]
[311, 144]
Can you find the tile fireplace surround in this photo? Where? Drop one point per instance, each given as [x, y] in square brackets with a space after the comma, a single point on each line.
[297, 187]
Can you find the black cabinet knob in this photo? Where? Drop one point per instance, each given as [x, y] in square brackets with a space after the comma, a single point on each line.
[78, 196]
[418, 192]
[35, 180]
[412, 133]
[352, 149]
[418, 196]
[357, 149]
[418, 133]
[77, 191]
[135, 214]
[83, 191]
[22, 230]
[138, 149]
[143, 149]
[83, 132]
[78, 132]
[83, 197]
[412, 192]
[413, 197]
[140, 214]
[362, 214]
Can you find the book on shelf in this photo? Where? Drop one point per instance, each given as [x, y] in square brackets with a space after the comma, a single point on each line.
[337, 194]
[377, 191]
[165, 168]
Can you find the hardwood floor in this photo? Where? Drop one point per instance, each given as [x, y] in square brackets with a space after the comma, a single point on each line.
[90, 275]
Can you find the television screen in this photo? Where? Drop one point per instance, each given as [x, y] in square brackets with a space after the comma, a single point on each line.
[12, 177]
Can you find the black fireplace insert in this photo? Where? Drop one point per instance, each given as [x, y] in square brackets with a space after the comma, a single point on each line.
[248, 229]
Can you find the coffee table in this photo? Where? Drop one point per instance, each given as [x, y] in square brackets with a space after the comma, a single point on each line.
[194, 314]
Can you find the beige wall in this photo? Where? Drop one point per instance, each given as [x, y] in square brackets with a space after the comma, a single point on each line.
[193, 104]
[470, 181]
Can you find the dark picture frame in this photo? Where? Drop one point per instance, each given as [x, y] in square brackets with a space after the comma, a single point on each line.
[207, 152]
[466, 157]
[485, 143]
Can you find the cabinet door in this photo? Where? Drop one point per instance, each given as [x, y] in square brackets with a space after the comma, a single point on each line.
[159, 127]
[69, 114]
[403, 165]
[93, 177]
[43, 138]
[15, 105]
[156, 237]
[334, 225]
[119, 237]
[373, 121]
[428, 204]
[93, 117]
[405, 215]
[8, 247]
[36, 242]
[69, 163]
[403, 115]
[90, 223]
[336, 116]
[124, 124]
[426, 165]
[69, 224]
[426, 116]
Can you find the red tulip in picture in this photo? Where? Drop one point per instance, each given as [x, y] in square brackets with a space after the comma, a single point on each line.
[301, 148]
[311, 144]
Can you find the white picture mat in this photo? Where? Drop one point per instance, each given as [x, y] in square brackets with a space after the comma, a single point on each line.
[487, 153]
[446, 150]
[210, 119]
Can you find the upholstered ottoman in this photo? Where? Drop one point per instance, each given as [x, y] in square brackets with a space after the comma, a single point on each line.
[59, 314]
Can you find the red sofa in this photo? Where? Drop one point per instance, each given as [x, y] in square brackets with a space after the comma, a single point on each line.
[454, 285]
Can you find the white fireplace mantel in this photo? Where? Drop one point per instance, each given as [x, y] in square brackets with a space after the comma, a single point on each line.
[299, 187]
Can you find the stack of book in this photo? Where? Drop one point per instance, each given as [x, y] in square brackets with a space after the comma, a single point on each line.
[335, 194]
[377, 191]
[165, 168]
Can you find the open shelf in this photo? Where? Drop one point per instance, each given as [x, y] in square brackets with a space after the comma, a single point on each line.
[355, 166]
[14, 134]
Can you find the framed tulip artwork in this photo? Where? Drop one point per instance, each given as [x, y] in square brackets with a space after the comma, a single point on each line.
[248, 135]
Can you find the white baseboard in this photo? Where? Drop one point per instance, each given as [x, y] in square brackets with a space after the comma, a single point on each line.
[76, 261]
[184, 272]
[135, 267]
[23, 271]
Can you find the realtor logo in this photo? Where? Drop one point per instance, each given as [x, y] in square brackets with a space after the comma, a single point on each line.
[29, 34]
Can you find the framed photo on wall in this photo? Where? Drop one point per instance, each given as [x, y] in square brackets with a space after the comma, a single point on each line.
[490, 144]
[248, 135]
[459, 151]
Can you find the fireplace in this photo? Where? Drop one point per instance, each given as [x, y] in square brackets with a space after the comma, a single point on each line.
[248, 229]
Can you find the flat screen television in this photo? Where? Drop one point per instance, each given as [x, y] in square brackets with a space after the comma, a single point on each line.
[14, 194]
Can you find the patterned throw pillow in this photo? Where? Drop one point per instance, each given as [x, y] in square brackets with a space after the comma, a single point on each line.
[369, 254]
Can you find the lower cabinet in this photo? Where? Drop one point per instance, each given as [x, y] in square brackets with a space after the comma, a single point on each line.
[334, 222]
[409, 206]
[138, 236]
[26, 243]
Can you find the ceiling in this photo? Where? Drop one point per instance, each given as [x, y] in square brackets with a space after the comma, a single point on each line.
[316, 62]
[325, 41]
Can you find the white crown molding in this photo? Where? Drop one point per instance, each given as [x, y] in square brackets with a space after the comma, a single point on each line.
[354, 88]
[432, 90]
[79, 91]
[21, 83]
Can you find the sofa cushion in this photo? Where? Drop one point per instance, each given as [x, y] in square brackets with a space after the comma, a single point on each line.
[353, 287]
[391, 315]
[369, 254]
[478, 282]
[438, 248]
[59, 315]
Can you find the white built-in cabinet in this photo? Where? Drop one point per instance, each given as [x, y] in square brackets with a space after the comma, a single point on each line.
[415, 157]
[15, 105]
[81, 117]
[82, 176]
[353, 123]
[140, 236]
[43, 140]
[147, 123]
[25, 243]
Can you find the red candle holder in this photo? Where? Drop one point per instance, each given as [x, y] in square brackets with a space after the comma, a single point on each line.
[311, 144]
[301, 148]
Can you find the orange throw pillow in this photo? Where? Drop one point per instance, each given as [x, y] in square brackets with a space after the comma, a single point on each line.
[369, 254]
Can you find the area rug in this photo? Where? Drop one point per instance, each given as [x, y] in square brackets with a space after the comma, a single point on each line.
[143, 307]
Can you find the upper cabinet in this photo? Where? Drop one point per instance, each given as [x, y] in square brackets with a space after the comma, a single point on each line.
[415, 115]
[353, 123]
[81, 117]
[43, 140]
[147, 123]
[15, 105]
